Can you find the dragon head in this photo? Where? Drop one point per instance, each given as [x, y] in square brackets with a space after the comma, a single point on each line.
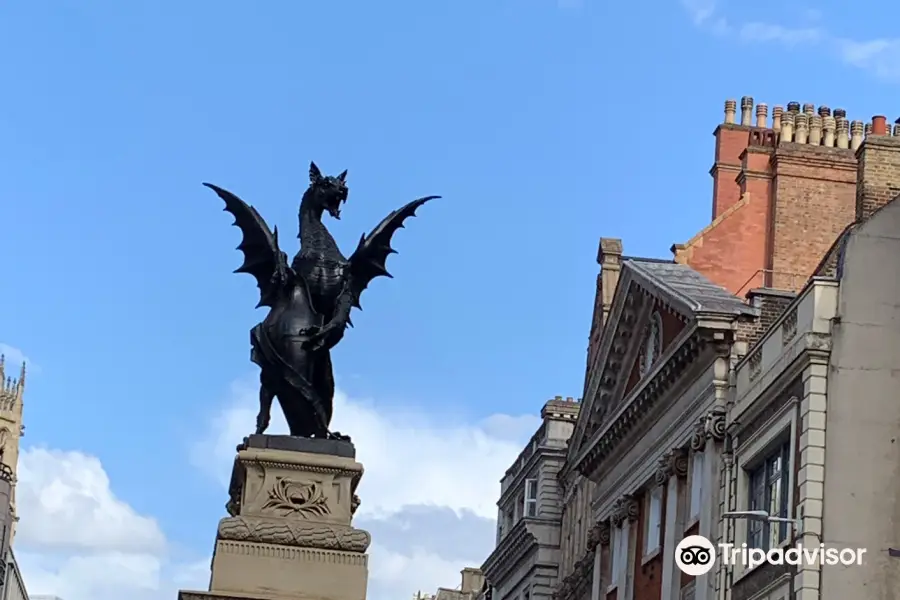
[327, 193]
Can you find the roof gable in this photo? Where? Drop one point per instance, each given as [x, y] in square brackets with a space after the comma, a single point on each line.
[647, 290]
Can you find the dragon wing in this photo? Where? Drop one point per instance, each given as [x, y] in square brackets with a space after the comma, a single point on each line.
[370, 257]
[259, 245]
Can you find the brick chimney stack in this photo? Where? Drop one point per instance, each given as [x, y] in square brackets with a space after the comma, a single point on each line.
[878, 174]
[782, 193]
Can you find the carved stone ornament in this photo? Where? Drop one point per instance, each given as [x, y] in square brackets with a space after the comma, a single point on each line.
[625, 508]
[678, 457]
[663, 469]
[598, 535]
[789, 327]
[287, 497]
[698, 438]
[755, 363]
[604, 533]
[284, 532]
[715, 424]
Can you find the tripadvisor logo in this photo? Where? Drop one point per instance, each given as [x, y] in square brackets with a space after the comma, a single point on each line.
[695, 555]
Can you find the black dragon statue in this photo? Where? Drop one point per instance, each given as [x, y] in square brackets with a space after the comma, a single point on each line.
[309, 299]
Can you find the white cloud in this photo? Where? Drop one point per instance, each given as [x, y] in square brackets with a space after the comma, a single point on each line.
[77, 540]
[880, 57]
[409, 458]
[65, 502]
[429, 491]
[392, 570]
[700, 11]
[14, 359]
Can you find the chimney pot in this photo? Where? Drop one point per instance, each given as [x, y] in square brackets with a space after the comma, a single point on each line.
[762, 115]
[793, 107]
[840, 113]
[815, 130]
[787, 128]
[824, 111]
[879, 125]
[746, 110]
[857, 132]
[801, 128]
[828, 126]
[776, 118]
[730, 110]
[809, 109]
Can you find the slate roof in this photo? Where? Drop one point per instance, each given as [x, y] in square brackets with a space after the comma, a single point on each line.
[684, 283]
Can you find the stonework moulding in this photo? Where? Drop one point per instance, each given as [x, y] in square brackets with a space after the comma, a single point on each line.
[678, 461]
[628, 417]
[625, 508]
[663, 469]
[598, 536]
[715, 424]
[789, 327]
[698, 437]
[755, 364]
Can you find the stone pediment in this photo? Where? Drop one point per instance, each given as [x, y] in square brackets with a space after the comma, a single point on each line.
[653, 298]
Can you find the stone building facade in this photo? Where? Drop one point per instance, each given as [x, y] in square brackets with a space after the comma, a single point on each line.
[673, 432]
[525, 563]
[11, 394]
[813, 426]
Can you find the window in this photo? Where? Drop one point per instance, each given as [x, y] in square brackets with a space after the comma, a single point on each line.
[530, 498]
[619, 554]
[768, 491]
[653, 522]
[696, 483]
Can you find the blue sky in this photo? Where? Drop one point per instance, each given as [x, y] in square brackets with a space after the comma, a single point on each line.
[543, 125]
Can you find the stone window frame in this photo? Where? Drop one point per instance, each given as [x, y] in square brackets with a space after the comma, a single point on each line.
[654, 491]
[528, 500]
[620, 541]
[783, 426]
[761, 472]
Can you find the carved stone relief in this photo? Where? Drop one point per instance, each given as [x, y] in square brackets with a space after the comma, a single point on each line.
[625, 508]
[293, 533]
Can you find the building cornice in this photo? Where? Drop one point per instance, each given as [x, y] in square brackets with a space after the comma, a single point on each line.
[643, 398]
[541, 454]
[506, 556]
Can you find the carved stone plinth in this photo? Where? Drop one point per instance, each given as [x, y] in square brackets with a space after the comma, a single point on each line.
[289, 533]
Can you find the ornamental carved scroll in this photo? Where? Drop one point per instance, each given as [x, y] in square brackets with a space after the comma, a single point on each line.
[625, 508]
[598, 535]
[306, 499]
[291, 533]
[711, 426]
[673, 462]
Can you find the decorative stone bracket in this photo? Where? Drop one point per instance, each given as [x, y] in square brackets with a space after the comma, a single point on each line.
[625, 508]
[598, 535]
[673, 462]
[711, 426]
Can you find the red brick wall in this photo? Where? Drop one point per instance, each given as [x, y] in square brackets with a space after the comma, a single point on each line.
[777, 208]
[879, 172]
[814, 200]
[731, 140]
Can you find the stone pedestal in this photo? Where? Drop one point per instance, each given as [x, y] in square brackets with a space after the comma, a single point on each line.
[289, 534]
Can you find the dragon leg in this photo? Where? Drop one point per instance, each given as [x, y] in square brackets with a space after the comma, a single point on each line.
[265, 407]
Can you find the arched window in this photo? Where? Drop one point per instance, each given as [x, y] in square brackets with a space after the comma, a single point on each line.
[652, 344]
